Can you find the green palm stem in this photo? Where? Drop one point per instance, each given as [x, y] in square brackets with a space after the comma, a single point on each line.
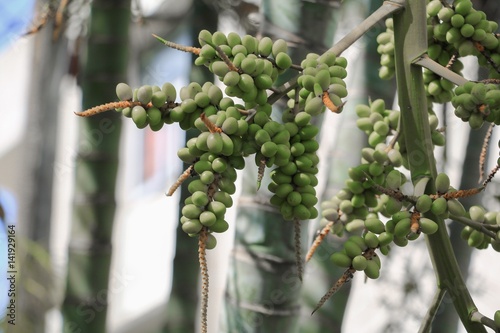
[89, 252]
[181, 314]
[263, 288]
[411, 42]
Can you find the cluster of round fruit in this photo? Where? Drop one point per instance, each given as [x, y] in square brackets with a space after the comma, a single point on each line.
[321, 84]
[476, 102]
[150, 104]
[476, 238]
[251, 65]
[385, 48]
[462, 27]
[358, 253]
[293, 181]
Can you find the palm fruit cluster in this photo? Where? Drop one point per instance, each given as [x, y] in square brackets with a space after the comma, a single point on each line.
[151, 104]
[228, 132]
[321, 85]
[477, 102]
[476, 238]
[385, 48]
[253, 64]
[373, 194]
[293, 183]
[465, 29]
[358, 253]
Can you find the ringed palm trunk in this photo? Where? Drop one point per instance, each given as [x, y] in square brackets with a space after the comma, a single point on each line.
[263, 287]
[89, 252]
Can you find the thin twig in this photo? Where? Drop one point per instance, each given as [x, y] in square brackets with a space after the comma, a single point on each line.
[458, 194]
[440, 70]
[488, 81]
[487, 56]
[185, 175]
[107, 107]
[210, 125]
[317, 241]
[204, 278]
[184, 48]
[387, 8]
[484, 149]
[298, 248]
[224, 57]
[491, 175]
[474, 225]
[452, 60]
[345, 278]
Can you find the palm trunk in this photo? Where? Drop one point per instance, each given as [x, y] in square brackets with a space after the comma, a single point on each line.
[89, 253]
[50, 64]
[263, 288]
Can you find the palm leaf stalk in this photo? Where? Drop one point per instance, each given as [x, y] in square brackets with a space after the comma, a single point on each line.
[411, 38]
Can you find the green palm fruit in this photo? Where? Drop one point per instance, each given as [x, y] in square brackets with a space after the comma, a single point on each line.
[372, 269]
[371, 240]
[477, 213]
[496, 318]
[265, 46]
[352, 249]
[385, 238]
[434, 7]
[124, 92]
[341, 259]
[211, 242]
[218, 208]
[439, 206]
[428, 226]
[139, 116]
[375, 225]
[424, 203]
[144, 94]
[442, 183]
[402, 228]
[191, 211]
[475, 238]
[192, 226]
[279, 46]
[207, 218]
[219, 226]
[283, 60]
[214, 143]
[359, 263]
[455, 207]
[219, 165]
[355, 225]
